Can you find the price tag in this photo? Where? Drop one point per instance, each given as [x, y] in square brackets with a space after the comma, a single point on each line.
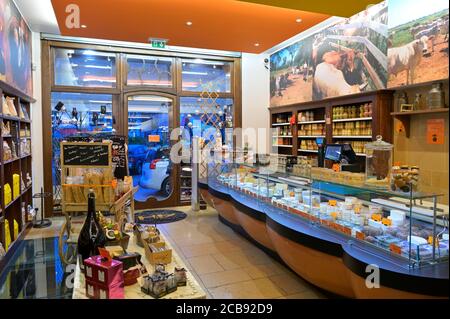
[346, 230]
[334, 215]
[105, 254]
[386, 222]
[430, 241]
[376, 217]
[395, 249]
[332, 202]
[360, 235]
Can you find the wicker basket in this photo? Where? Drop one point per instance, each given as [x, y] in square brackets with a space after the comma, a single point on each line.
[162, 257]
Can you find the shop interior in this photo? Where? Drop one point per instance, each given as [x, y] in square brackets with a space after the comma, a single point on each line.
[190, 158]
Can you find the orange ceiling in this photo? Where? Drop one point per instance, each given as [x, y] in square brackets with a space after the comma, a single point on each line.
[217, 24]
[342, 8]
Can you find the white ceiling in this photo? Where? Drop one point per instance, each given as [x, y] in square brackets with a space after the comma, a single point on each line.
[39, 15]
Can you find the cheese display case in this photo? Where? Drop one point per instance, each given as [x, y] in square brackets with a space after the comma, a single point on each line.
[328, 229]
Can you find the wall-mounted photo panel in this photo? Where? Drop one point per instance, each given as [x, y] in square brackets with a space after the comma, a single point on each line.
[418, 41]
[15, 48]
[345, 58]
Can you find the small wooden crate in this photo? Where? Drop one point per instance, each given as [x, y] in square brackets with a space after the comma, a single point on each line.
[154, 258]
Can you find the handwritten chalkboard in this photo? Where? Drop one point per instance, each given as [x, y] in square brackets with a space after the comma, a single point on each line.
[119, 154]
[86, 154]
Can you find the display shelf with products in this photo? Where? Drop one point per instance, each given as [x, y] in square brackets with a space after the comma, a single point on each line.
[15, 165]
[359, 117]
[340, 226]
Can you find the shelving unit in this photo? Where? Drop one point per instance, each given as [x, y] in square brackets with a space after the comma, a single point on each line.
[377, 122]
[18, 139]
[283, 138]
[185, 183]
[405, 117]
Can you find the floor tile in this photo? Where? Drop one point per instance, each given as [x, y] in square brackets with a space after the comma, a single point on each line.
[290, 283]
[253, 289]
[205, 265]
[263, 271]
[224, 277]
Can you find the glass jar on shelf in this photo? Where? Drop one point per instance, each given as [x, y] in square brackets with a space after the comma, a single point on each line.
[378, 163]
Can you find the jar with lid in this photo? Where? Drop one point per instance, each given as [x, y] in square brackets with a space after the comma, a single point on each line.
[378, 163]
[436, 96]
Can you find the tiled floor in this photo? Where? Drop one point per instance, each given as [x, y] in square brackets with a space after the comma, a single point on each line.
[223, 262]
[229, 266]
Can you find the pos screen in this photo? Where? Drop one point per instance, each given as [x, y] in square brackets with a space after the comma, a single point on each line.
[333, 152]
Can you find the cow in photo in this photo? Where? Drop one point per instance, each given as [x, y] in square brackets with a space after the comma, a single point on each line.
[431, 32]
[407, 58]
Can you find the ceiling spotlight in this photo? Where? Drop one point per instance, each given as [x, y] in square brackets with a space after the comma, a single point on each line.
[256, 44]
[189, 23]
[84, 26]
[298, 20]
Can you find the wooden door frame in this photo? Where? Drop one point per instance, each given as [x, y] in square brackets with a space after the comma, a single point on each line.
[173, 199]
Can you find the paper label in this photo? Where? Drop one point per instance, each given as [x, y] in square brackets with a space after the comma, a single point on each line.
[395, 249]
[101, 276]
[90, 290]
[88, 271]
[360, 235]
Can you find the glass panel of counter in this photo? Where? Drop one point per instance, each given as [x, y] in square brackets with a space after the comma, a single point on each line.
[411, 226]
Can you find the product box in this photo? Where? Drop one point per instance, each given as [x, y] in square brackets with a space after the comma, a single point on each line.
[96, 290]
[16, 185]
[8, 194]
[106, 273]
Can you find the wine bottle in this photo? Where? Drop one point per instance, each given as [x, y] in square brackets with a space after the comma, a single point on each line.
[92, 235]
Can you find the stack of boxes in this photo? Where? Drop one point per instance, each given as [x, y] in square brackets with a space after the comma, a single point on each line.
[104, 278]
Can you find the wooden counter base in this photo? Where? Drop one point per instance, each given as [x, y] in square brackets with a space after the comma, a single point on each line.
[325, 271]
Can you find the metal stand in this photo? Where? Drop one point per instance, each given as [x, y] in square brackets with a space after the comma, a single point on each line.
[43, 223]
[195, 205]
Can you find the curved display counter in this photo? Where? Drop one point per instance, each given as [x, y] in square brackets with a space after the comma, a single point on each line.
[326, 258]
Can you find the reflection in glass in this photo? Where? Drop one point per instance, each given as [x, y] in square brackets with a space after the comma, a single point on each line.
[211, 76]
[213, 121]
[149, 71]
[204, 119]
[149, 146]
[85, 68]
[80, 113]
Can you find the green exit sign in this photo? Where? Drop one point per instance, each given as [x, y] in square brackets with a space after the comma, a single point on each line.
[158, 44]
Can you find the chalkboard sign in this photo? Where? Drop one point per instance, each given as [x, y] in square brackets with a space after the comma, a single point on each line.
[86, 154]
[119, 154]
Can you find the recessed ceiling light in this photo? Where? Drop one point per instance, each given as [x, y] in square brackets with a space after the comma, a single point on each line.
[189, 23]
[84, 26]
[298, 20]
[256, 44]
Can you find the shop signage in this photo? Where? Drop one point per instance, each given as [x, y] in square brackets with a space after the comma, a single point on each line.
[435, 131]
[86, 154]
[158, 43]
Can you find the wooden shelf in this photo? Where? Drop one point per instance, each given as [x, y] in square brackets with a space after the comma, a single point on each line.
[17, 165]
[281, 136]
[431, 111]
[405, 117]
[353, 119]
[10, 118]
[282, 146]
[280, 124]
[311, 122]
[308, 151]
[356, 136]
[311, 136]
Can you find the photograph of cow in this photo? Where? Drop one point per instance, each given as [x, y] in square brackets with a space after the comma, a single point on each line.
[417, 42]
[345, 58]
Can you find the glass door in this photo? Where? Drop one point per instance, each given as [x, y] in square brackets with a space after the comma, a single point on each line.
[150, 122]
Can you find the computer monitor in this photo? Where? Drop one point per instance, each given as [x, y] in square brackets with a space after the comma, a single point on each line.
[333, 152]
[340, 152]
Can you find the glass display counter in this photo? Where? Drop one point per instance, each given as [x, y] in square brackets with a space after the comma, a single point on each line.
[409, 226]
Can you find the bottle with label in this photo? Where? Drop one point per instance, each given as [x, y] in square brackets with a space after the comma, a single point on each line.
[92, 235]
